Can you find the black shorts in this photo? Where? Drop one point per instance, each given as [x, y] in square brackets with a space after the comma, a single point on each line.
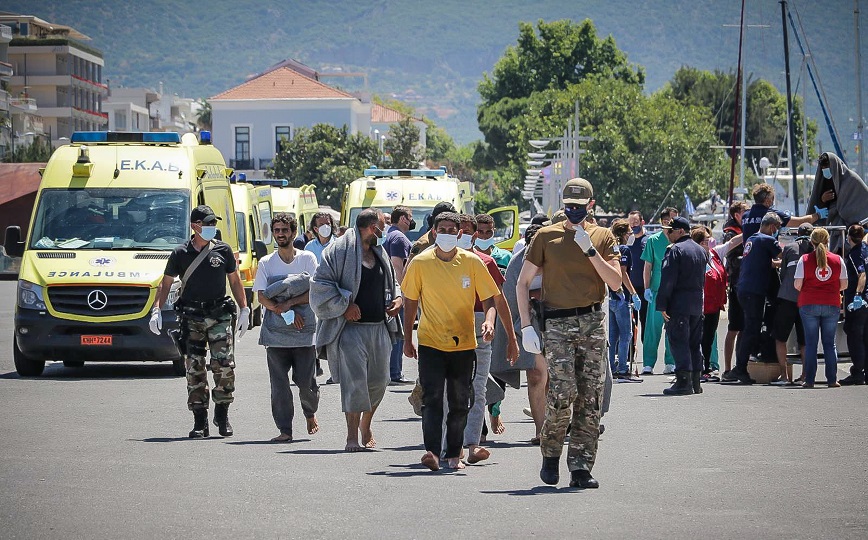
[734, 312]
[787, 316]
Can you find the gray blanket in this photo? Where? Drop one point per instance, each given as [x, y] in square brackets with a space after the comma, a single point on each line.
[499, 365]
[335, 285]
[275, 332]
[850, 204]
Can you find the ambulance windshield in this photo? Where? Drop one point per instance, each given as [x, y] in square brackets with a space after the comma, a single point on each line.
[420, 215]
[111, 218]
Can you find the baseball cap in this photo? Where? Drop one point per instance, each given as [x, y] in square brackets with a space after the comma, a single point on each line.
[204, 214]
[557, 217]
[678, 223]
[578, 191]
[805, 229]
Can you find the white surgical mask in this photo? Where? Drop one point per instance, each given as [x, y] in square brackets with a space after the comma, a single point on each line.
[208, 232]
[466, 241]
[446, 242]
[325, 231]
[484, 244]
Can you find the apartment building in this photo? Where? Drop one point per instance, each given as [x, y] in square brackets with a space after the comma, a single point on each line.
[56, 72]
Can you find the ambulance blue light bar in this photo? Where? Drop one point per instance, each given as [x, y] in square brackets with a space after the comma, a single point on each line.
[261, 182]
[422, 173]
[91, 137]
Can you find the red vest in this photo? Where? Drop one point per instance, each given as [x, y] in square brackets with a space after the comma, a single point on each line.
[821, 286]
[715, 284]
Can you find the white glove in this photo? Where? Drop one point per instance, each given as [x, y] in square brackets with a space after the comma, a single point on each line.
[530, 341]
[243, 321]
[583, 239]
[156, 322]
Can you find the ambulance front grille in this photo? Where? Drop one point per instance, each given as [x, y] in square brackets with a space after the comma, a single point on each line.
[98, 301]
[151, 256]
[55, 254]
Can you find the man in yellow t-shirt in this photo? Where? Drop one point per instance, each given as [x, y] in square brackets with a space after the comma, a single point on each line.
[577, 260]
[446, 282]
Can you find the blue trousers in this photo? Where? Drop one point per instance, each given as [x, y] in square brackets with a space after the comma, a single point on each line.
[820, 323]
[653, 333]
[620, 334]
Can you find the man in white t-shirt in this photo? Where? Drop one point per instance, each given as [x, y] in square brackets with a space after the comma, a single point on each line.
[283, 284]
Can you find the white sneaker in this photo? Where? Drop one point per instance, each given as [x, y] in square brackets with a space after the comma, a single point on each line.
[669, 369]
[647, 370]
[780, 382]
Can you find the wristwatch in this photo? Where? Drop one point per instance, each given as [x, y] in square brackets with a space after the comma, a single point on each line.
[591, 252]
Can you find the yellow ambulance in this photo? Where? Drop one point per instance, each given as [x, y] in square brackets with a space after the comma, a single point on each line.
[253, 210]
[421, 190]
[300, 202]
[109, 210]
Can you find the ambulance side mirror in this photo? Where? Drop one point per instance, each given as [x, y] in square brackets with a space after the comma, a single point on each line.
[259, 249]
[13, 244]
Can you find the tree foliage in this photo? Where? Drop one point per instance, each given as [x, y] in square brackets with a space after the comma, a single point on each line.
[402, 145]
[203, 117]
[766, 117]
[36, 152]
[325, 156]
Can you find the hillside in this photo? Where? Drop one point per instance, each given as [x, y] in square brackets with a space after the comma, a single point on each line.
[432, 54]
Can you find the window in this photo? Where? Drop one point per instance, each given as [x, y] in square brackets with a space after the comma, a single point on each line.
[242, 143]
[120, 121]
[281, 133]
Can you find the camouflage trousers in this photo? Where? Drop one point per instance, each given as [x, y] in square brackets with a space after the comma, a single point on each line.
[575, 351]
[215, 334]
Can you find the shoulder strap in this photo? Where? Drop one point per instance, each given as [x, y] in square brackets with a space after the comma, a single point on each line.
[195, 264]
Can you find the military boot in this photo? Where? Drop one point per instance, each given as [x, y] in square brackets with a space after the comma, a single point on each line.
[200, 424]
[697, 382]
[683, 385]
[221, 419]
[549, 472]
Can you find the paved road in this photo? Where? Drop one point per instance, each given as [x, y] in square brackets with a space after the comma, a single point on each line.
[101, 452]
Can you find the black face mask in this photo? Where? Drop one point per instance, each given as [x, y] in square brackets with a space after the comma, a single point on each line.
[412, 224]
[576, 215]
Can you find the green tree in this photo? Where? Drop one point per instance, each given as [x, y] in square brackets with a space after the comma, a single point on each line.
[203, 117]
[549, 57]
[402, 145]
[36, 152]
[438, 143]
[325, 156]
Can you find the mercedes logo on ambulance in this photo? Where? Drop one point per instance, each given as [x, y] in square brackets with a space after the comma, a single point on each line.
[97, 300]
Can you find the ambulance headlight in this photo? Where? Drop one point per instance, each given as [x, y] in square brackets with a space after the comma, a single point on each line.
[30, 295]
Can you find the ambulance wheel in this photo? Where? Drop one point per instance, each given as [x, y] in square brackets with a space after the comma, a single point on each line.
[25, 366]
[178, 367]
[73, 363]
[257, 317]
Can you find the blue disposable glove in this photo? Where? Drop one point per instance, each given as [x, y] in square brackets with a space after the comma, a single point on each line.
[637, 303]
[857, 303]
[649, 296]
[822, 212]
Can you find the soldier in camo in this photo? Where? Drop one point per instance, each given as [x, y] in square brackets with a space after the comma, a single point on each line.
[578, 260]
[206, 317]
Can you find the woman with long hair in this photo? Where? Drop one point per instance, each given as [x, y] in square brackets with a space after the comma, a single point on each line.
[620, 304]
[820, 278]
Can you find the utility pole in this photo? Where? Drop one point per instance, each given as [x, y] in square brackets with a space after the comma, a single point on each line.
[859, 122]
[791, 129]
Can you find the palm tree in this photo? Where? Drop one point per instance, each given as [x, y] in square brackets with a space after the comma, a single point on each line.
[203, 117]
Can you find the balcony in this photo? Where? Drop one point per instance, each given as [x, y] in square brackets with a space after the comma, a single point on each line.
[91, 116]
[24, 104]
[93, 86]
[5, 70]
[242, 164]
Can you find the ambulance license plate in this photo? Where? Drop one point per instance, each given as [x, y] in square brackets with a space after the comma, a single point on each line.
[96, 340]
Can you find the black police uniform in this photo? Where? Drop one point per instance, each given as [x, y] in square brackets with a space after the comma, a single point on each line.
[207, 319]
[682, 283]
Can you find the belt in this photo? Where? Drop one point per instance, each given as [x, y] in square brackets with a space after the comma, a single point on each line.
[571, 312]
[204, 304]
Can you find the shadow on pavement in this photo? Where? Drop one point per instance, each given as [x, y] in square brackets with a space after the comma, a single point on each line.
[407, 448]
[538, 490]
[266, 442]
[166, 439]
[408, 419]
[97, 371]
[416, 469]
[323, 452]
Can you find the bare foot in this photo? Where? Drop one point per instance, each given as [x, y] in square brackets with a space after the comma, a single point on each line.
[312, 425]
[368, 439]
[353, 446]
[283, 437]
[431, 461]
[497, 425]
[477, 454]
[455, 463]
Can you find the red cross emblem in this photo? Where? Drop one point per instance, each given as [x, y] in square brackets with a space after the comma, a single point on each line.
[823, 274]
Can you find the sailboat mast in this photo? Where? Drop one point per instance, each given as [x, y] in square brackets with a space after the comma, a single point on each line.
[859, 121]
[791, 129]
[738, 84]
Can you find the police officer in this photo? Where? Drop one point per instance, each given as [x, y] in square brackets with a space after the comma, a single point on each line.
[206, 317]
[679, 299]
[577, 260]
